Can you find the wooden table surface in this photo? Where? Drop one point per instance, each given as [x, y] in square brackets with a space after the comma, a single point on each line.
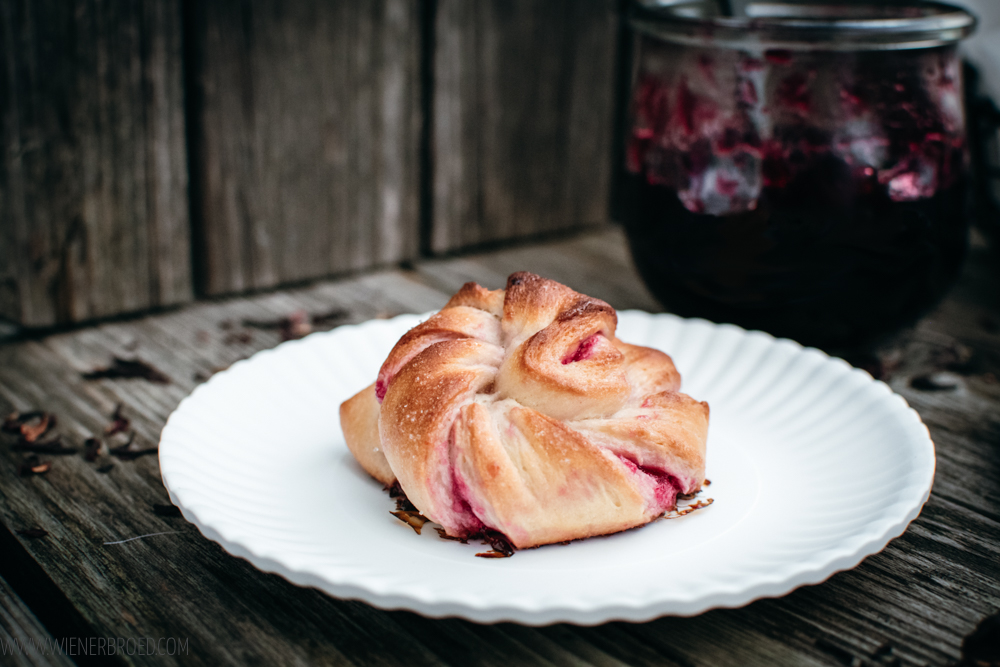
[915, 603]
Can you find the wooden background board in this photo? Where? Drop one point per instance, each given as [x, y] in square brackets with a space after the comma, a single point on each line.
[911, 604]
[523, 105]
[307, 124]
[93, 178]
[275, 142]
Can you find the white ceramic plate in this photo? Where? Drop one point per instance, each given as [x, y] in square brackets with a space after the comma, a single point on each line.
[814, 465]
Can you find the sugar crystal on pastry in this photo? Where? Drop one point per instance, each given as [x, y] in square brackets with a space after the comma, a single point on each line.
[519, 411]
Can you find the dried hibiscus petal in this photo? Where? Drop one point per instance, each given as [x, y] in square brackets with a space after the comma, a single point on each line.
[128, 369]
[694, 494]
[54, 446]
[445, 536]
[91, 449]
[32, 533]
[119, 422]
[164, 510]
[238, 337]
[403, 503]
[412, 519]
[259, 324]
[684, 511]
[29, 425]
[954, 357]
[335, 315]
[299, 323]
[296, 325]
[493, 554]
[129, 451]
[42, 468]
[410, 515]
[12, 423]
[33, 466]
[933, 383]
[202, 376]
[501, 545]
[34, 429]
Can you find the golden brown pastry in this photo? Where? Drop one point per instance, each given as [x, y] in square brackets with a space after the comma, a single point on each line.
[519, 411]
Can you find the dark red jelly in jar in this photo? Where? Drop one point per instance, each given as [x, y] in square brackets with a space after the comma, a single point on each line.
[815, 194]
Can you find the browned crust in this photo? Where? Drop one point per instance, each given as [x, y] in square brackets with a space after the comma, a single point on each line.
[668, 432]
[554, 321]
[543, 482]
[359, 421]
[452, 323]
[417, 414]
[475, 296]
[535, 375]
[559, 461]
[650, 371]
[532, 303]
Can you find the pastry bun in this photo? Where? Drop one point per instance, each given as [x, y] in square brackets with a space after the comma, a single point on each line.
[519, 411]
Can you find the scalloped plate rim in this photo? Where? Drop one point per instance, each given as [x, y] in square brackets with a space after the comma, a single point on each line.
[808, 573]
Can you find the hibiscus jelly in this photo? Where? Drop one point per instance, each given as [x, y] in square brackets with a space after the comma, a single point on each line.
[801, 169]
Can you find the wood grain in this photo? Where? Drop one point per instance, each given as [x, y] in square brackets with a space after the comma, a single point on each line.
[93, 178]
[306, 133]
[522, 118]
[911, 604]
[143, 587]
[23, 639]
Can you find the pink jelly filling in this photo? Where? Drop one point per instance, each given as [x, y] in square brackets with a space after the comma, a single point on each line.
[381, 386]
[470, 524]
[666, 486]
[585, 349]
[463, 514]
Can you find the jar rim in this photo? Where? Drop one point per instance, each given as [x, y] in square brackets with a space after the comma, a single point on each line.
[773, 24]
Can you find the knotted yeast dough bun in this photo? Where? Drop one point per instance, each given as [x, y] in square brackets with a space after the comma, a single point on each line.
[519, 411]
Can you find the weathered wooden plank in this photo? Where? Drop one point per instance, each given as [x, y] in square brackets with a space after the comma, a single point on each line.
[93, 179]
[143, 588]
[306, 134]
[559, 645]
[523, 103]
[23, 639]
[912, 604]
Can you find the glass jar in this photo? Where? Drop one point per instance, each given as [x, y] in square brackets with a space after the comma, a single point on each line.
[801, 169]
